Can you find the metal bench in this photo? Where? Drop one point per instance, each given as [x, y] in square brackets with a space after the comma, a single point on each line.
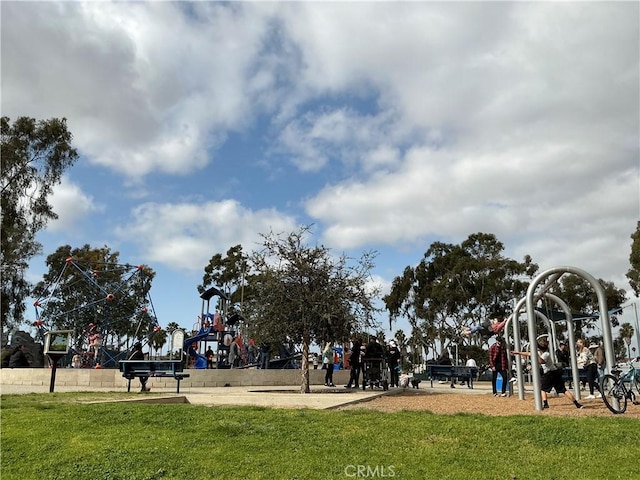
[567, 375]
[452, 371]
[152, 368]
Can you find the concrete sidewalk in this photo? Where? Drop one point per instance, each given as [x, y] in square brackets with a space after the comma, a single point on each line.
[266, 396]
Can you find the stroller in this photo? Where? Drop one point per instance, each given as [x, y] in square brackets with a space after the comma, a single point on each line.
[374, 373]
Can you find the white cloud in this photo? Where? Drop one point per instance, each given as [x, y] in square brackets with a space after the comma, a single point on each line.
[535, 128]
[145, 86]
[427, 120]
[72, 206]
[186, 235]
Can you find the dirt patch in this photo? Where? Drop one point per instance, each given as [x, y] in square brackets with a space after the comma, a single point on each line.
[485, 403]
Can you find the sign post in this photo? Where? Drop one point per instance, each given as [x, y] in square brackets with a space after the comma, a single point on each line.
[56, 346]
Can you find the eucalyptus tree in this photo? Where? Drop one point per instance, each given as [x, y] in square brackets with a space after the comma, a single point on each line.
[35, 154]
[303, 294]
[229, 273]
[456, 285]
[580, 296]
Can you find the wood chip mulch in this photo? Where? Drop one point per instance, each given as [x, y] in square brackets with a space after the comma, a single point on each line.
[485, 403]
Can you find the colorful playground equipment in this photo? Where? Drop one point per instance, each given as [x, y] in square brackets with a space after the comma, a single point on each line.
[214, 328]
[108, 290]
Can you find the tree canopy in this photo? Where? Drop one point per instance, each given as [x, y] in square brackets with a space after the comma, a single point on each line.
[303, 294]
[35, 154]
[580, 297]
[228, 273]
[457, 285]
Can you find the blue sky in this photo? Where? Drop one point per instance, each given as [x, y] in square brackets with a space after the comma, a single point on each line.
[386, 125]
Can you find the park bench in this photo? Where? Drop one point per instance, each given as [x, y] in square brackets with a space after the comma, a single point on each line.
[452, 371]
[152, 368]
[567, 375]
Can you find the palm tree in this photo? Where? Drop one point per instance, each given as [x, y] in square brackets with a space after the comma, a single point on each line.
[626, 332]
[159, 340]
[172, 326]
[401, 338]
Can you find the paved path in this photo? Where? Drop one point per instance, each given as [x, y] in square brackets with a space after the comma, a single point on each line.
[282, 396]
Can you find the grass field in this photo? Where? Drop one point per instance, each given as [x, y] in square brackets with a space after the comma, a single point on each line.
[59, 436]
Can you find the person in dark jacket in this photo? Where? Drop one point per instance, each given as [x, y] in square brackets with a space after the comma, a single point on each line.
[374, 349]
[18, 358]
[562, 355]
[354, 363]
[138, 355]
[393, 360]
[445, 359]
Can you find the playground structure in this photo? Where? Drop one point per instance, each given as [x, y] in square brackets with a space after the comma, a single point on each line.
[211, 328]
[88, 297]
[222, 330]
[538, 290]
[109, 290]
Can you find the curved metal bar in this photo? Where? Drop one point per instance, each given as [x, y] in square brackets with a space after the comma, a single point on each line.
[554, 274]
[517, 341]
[572, 341]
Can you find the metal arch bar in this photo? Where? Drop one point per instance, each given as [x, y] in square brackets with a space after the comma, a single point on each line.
[517, 343]
[572, 341]
[556, 273]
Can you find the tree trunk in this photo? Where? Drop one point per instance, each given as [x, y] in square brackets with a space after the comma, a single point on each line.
[304, 385]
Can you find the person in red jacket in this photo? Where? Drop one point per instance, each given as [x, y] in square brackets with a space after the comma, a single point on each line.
[499, 364]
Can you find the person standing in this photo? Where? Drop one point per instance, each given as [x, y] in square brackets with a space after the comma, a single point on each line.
[445, 359]
[138, 355]
[499, 364]
[471, 363]
[95, 341]
[562, 355]
[265, 355]
[327, 364]
[393, 359]
[587, 361]
[209, 355]
[234, 353]
[354, 362]
[598, 356]
[551, 375]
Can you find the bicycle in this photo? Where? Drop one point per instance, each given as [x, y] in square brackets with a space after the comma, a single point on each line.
[614, 391]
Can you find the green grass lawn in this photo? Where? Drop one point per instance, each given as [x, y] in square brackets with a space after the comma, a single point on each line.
[56, 436]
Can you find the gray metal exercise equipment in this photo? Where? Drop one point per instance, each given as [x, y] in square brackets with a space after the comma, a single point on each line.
[552, 275]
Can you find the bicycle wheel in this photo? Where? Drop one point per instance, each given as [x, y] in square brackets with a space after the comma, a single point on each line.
[613, 394]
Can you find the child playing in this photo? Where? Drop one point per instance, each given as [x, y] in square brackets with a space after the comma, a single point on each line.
[494, 327]
[403, 380]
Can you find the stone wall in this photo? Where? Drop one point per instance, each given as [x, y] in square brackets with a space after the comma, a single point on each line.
[112, 378]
